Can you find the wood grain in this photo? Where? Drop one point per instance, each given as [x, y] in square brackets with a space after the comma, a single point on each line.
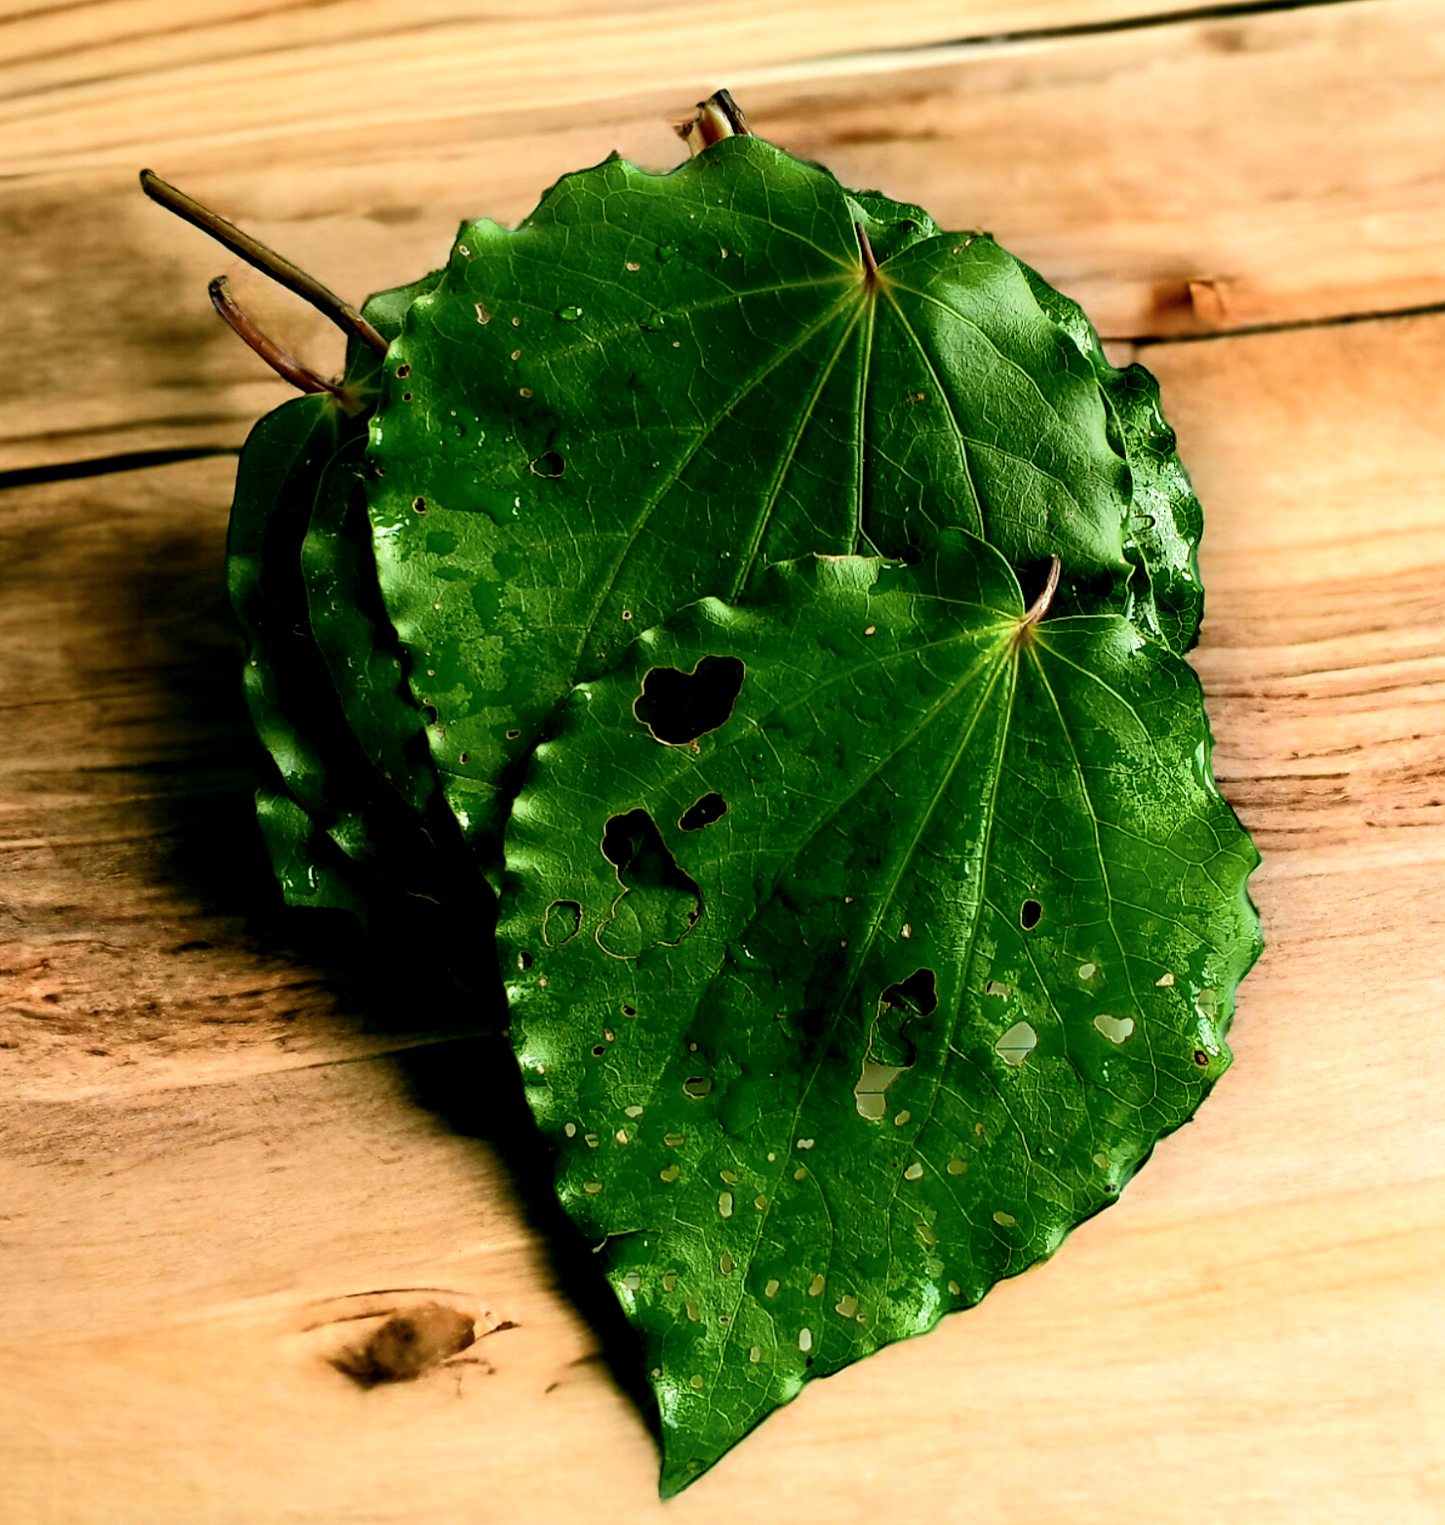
[235, 1142]
[74, 97]
[229, 1151]
[1197, 177]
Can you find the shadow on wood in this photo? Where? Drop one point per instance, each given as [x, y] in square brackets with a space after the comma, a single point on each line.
[430, 970]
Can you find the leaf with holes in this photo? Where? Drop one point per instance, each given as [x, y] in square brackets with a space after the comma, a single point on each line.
[862, 940]
[660, 384]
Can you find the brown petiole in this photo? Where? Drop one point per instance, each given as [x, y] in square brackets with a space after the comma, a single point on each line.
[286, 366]
[870, 260]
[1040, 606]
[254, 252]
[716, 118]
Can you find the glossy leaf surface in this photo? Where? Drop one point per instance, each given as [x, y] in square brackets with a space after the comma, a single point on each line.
[1164, 520]
[660, 384]
[354, 636]
[858, 999]
[323, 667]
[276, 479]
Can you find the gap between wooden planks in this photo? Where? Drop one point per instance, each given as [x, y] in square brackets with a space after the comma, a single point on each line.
[1192, 177]
[197, 1195]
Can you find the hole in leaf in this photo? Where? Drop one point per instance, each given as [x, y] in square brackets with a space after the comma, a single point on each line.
[889, 1051]
[1017, 1043]
[870, 1095]
[918, 994]
[711, 807]
[1115, 1029]
[550, 465]
[418, 505]
[697, 1086]
[1029, 915]
[659, 903]
[678, 707]
[403, 371]
[561, 922]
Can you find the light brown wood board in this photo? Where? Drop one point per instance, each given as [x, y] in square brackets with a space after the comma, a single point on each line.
[1202, 176]
[228, 1151]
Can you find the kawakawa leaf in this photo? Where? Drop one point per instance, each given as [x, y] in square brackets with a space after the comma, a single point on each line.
[355, 638]
[1165, 519]
[303, 584]
[866, 929]
[884, 969]
[660, 384]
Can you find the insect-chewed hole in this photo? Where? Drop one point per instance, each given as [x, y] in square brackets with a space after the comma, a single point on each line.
[678, 707]
[659, 903]
[917, 994]
[711, 807]
[1029, 914]
[418, 505]
[870, 1094]
[1017, 1043]
[889, 1051]
[561, 922]
[549, 465]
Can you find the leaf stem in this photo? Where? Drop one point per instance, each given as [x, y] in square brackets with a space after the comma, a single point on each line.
[718, 117]
[1040, 606]
[870, 260]
[254, 252]
[286, 366]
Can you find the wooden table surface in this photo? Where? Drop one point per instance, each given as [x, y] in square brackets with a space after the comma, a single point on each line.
[231, 1147]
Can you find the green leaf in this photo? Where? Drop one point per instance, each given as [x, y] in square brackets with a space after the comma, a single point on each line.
[276, 478]
[335, 792]
[1165, 519]
[660, 384]
[308, 865]
[884, 970]
[386, 312]
[355, 638]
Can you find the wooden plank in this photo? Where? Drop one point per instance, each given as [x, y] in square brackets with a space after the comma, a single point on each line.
[143, 942]
[1179, 178]
[78, 93]
[198, 1221]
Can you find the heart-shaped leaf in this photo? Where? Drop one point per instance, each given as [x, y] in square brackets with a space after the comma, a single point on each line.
[862, 941]
[660, 384]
